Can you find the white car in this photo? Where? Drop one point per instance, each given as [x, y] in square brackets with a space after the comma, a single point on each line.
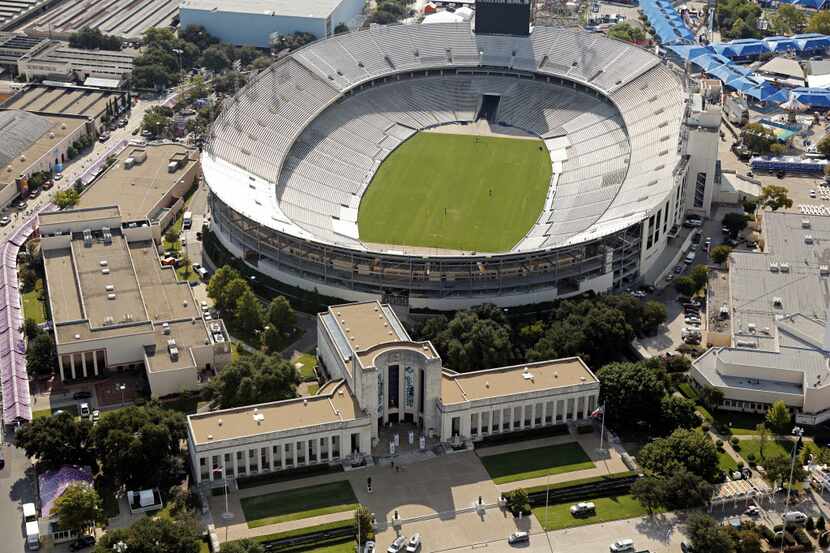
[369, 547]
[621, 546]
[518, 537]
[5, 221]
[583, 508]
[812, 193]
[397, 545]
[414, 543]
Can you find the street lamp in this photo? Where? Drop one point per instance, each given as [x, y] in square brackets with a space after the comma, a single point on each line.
[121, 387]
[799, 432]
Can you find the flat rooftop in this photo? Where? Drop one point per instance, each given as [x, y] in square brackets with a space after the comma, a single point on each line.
[106, 61]
[186, 334]
[167, 299]
[337, 406]
[29, 137]
[138, 190]
[518, 379]
[77, 215]
[291, 8]
[367, 324]
[61, 100]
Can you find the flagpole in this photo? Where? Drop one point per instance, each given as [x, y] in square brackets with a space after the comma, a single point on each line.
[602, 429]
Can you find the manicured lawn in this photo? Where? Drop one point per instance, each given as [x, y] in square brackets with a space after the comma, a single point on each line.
[459, 192]
[71, 409]
[771, 449]
[33, 307]
[687, 390]
[741, 423]
[726, 462]
[307, 363]
[707, 416]
[186, 273]
[312, 501]
[313, 389]
[533, 463]
[343, 547]
[608, 509]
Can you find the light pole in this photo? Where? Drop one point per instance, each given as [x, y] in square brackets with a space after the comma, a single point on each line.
[547, 500]
[121, 388]
[797, 431]
[178, 53]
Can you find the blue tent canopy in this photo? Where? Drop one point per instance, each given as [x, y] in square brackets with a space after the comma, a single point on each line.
[814, 97]
[811, 41]
[710, 61]
[780, 44]
[688, 52]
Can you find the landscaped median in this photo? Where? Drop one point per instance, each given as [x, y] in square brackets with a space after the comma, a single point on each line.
[312, 501]
[558, 515]
[533, 463]
[333, 537]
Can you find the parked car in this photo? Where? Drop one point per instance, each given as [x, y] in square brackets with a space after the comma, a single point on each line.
[2, 461]
[414, 543]
[82, 394]
[795, 517]
[518, 537]
[81, 542]
[369, 547]
[5, 221]
[752, 511]
[678, 269]
[620, 546]
[397, 545]
[583, 508]
[686, 548]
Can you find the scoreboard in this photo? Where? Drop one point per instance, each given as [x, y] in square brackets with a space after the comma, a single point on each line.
[503, 17]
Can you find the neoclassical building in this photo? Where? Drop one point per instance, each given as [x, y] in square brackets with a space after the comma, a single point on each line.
[380, 377]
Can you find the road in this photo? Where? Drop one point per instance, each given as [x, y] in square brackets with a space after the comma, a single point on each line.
[15, 489]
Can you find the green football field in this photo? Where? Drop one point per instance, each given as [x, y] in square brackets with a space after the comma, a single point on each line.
[457, 192]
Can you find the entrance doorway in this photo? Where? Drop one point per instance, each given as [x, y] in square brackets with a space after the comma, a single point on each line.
[489, 108]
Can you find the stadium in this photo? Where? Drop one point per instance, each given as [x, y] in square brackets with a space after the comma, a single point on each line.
[432, 166]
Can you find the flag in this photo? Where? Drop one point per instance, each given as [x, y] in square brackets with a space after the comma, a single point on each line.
[598, 412]
[217, 470]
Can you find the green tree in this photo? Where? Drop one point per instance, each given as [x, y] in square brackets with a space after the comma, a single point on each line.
[262, 62]
[778, 417]
[775, 197]
[649, 492]
[700, 275]
[198, 36]
[627, 32]
[242, 546]
[341, 28]
[41, 355]
[155, 535]
[215, 59]
[677, 412]
[30, 328]
[94, 39]
[281, 315]
[720, 253]
[518, 501]
[749, 542]
[654, 314]
[272, 340]
[57, 440]
[685, 285]
[293, 41]
[689, 449]
[219, 283]
[711, 397]
[763, 437]
[735, 222]
[150, 76]
[758, 138]
[787, 20]
[363, 524]
[156, 122]
[708, 535]
[131, 439]
[777, 149]
[631, 393]
[79, 508]
[684, 490]
[249, 317]
[66, 198]
[777, 470]
[738, 18]
[819, 23]
[254, 378]
[478, 338]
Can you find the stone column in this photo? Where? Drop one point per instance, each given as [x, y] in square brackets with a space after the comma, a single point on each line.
[60, 366]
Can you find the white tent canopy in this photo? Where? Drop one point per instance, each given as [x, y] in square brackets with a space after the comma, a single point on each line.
[443, 17]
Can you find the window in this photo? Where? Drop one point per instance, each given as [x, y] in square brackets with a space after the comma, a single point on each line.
[700, 189]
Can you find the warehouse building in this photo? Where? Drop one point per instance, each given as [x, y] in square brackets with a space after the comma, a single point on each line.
[379, 378]
[115, 307]
[255, 22]
[14, 46]
[769, 322]
[147, 183]
[93, 104]
[32, 143]
[56, 60]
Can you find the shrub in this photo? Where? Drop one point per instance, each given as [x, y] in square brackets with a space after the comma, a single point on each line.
[705, 427]
[820, 523]
[824, 539]
[810, 525]
[767, 533]
[750, 457]
[719, 443]
[734, 440]
[802, 537]
[740, 465]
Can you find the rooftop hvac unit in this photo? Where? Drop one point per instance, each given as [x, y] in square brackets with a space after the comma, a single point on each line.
[751, 327]
[174, 353]
[773, 267]
[745, 344]
[110, 296]
[777, 302]
[824, 270]
[107, 235]
[785, 267]
[105, 271]
[259, 417]
[103, 263]
[87, 238]
[165, 327]
[808, 238]
[805, 223]
[109, 287]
